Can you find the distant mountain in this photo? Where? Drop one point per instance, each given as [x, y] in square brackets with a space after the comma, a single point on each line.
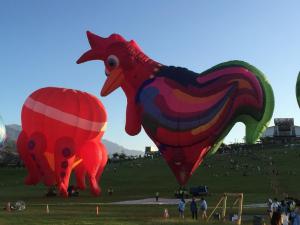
[13, 130]
[113, 148]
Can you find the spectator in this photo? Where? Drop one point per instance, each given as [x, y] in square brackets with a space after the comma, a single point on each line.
[270, 210]
[110, 191]
[275, 205]
[283, 207]
[156, 196]
[51, 191]
[72, 191]
[276, 218]
[291, 206]
[181, 193]
[296, 217]
[203, 208]
[194, 209]
[181, 208]
[285, 219]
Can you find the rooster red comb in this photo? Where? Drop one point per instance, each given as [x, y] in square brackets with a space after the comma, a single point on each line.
[98, 46]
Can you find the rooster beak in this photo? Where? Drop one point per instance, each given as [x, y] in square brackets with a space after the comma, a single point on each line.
[97, 52]
[113, 81]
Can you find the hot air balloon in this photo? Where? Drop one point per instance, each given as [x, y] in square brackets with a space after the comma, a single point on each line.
[61, 131]
[298, 89]
[186, 114]
[2, 133]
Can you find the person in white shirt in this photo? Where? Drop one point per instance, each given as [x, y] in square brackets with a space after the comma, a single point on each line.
[203, 208]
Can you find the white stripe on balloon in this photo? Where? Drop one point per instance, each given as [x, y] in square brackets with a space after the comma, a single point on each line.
[64, 117]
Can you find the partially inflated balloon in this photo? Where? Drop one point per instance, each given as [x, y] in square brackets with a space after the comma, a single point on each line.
[62, 129]
[2, 133]
[298, 89]
[186, 114]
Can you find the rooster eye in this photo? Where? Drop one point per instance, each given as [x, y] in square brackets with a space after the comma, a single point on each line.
[112, 61]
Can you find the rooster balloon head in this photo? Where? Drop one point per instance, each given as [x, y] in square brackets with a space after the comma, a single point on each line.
[125, 63]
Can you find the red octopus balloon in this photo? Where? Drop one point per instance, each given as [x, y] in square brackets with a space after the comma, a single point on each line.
[62, 130]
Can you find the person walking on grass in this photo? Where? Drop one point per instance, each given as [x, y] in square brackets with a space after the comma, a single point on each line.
[270, 210]
[203, 208]
[156, 196]
[194, 209]
[296, 216]
[275, 205]
[276, 218]
[181, 208]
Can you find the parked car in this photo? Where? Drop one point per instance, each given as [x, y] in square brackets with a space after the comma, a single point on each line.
[199, 191]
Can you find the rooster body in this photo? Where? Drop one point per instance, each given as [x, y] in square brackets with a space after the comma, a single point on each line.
[186, 114]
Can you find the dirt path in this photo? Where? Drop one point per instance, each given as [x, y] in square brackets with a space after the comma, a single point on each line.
[146, 201]
[170, 201]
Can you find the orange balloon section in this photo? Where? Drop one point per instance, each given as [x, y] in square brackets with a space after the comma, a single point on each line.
[62, 131]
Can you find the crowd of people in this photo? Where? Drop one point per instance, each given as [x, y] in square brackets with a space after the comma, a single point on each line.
[285, 212]
[195, 208]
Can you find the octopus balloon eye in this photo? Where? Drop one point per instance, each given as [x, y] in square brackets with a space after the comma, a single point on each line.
[112, 61]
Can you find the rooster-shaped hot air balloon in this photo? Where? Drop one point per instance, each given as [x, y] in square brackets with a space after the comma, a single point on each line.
[186, 114]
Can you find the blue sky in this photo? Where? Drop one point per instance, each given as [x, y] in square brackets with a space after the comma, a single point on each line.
[41, 40]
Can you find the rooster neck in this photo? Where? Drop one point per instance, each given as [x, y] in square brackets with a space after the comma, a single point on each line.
[135, 78]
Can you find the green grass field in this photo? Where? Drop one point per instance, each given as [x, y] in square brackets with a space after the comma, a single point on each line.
[250, 172]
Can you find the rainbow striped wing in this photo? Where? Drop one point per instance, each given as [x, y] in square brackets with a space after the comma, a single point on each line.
[182, 108]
